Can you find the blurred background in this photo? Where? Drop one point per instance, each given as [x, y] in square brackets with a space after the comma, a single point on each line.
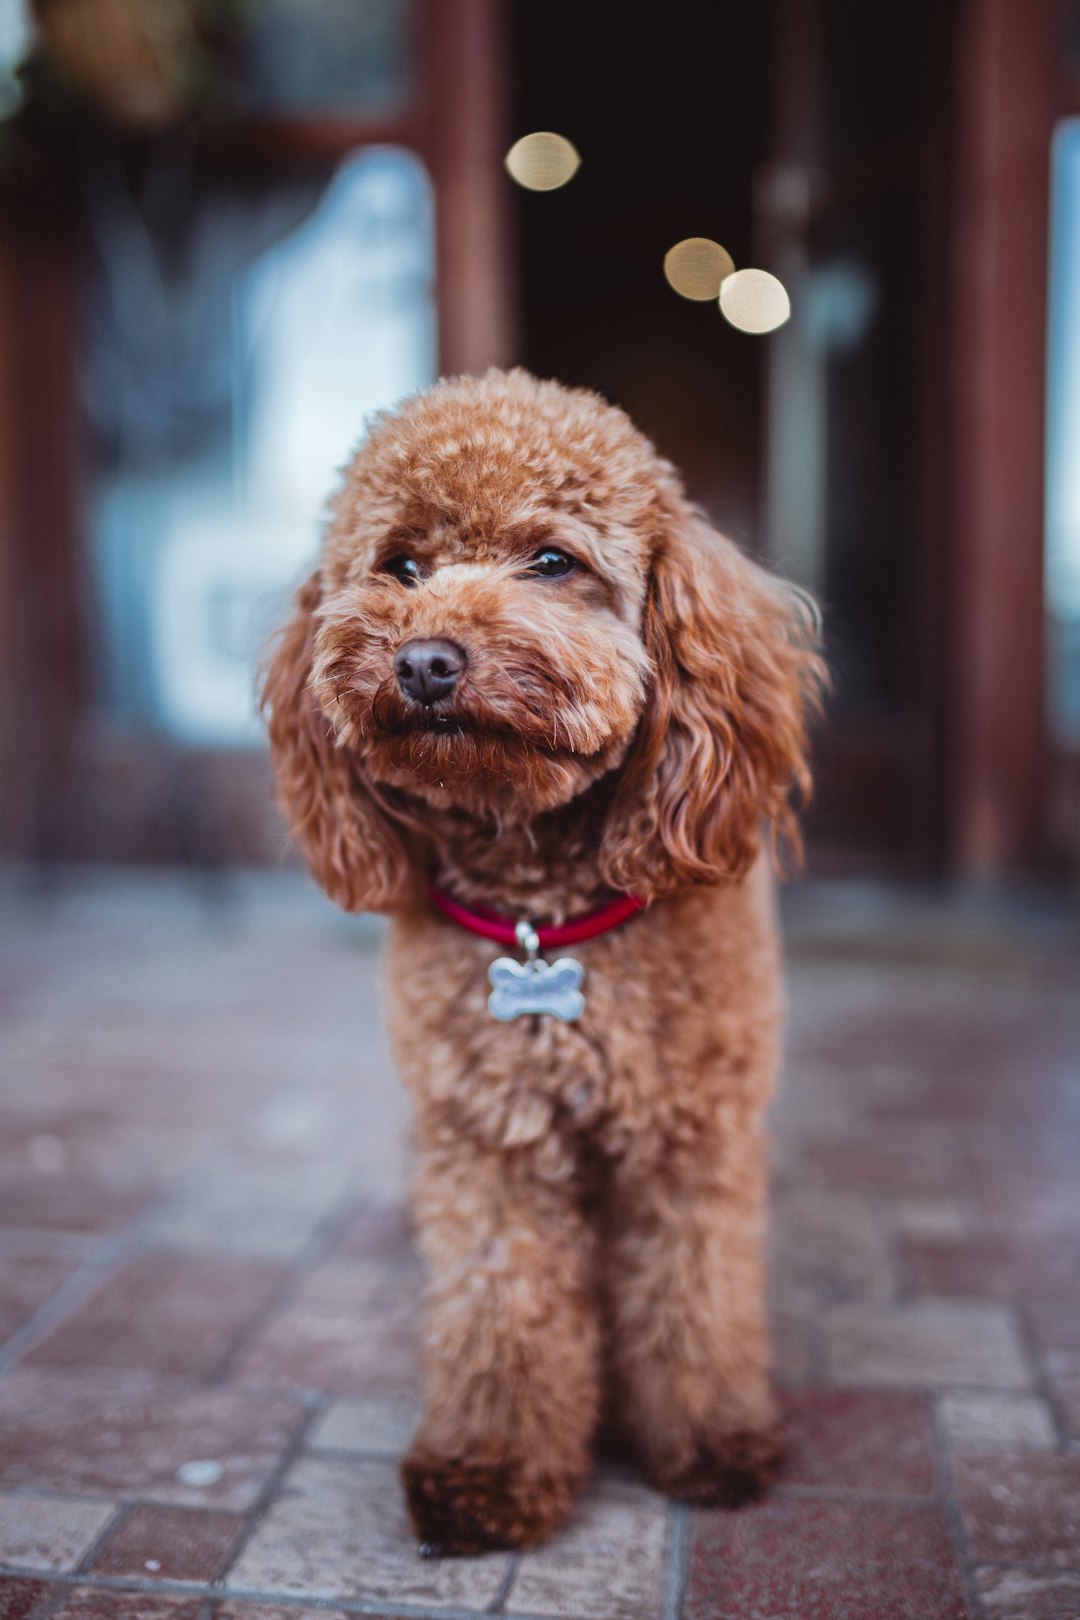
[231, 229]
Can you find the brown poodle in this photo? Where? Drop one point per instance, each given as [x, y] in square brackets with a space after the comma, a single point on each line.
[527, 678]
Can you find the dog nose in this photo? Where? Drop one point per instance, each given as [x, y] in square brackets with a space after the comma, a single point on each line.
[429, 670]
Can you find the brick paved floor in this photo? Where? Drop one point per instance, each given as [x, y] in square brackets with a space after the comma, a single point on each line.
[207, 1300]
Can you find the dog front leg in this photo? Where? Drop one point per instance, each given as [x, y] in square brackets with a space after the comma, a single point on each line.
[510, 1352]
[683, 1272]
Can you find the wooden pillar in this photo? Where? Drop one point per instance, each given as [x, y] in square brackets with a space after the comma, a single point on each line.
[465, 143]
[1005, 64]
[40, 643]
[14, 801]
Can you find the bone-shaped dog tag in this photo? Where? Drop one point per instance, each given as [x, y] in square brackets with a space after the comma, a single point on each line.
[536, 987]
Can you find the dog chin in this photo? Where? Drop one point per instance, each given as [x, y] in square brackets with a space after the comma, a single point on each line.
[452, 765]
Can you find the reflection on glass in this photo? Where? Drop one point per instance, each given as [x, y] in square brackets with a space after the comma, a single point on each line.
[228, 377]
[16, 37]
[1063, 439]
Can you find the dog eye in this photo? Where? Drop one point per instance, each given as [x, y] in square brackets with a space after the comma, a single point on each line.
[552, 564]
[405, 569]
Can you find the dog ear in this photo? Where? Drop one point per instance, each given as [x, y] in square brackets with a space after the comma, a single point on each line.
[350, 845]
[723, 743]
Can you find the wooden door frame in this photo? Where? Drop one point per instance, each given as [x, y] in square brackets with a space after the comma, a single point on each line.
[983, 461]
[1007, 99]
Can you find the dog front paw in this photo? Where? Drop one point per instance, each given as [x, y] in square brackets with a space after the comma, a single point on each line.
[460, 1507]
[724, 1471]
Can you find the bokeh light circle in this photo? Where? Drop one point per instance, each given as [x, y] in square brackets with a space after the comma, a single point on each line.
[754, 301]
[542, 161]
[697, 267]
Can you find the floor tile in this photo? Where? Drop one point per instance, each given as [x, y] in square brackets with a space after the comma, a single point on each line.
[233, 1610]
[924, 1345]
[271, 1211]
[1020, 1507]
[993, 1266]
[26, 1282]
[377, 1232]
[163, 1313]
[856, 1440]
[931, 1219]
[119, 1144]
[135, 1438]
[1062, 1368]
[87, 1604]
[1054, 1322]
[826, 1250]
[338, 1530]
[350, 1328]
[824, 1560]
[237, 1609]
[1022, 1594]
[22, 1599]
[927, 1133]
[794, 1347]
[68, 1203]
[378, 1426]
[974, 1420]
[855, 1167]
[1025, 1193]
[170, 1544]
[49, 1532]
[606, 1564]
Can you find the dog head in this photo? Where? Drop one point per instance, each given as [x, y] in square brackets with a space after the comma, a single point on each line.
[515, 601]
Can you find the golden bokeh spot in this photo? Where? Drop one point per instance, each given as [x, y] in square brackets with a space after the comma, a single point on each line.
[542, 162]
[754, 301]
[696, 267]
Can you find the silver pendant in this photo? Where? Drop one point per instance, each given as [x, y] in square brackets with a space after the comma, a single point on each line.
[535, 986]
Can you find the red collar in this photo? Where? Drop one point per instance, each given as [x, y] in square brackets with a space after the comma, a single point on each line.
[489, 924]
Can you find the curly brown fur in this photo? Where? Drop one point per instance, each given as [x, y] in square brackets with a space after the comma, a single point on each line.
[730, 1472]
[589, 1197]
[462, 1506]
